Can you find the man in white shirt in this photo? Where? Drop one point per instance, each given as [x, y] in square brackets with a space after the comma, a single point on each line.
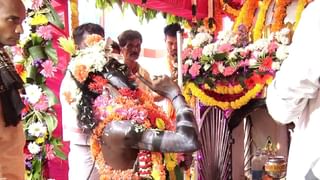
[294, 96]
[79, 158]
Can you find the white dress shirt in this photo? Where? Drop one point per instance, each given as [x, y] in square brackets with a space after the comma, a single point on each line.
[294, 95]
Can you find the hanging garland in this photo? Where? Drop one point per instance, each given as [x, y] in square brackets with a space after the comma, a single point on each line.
[279, 14]
[257, 31]
[232, 12]
[246, 14]
[74, 14]
[300, 7]
[191, 89]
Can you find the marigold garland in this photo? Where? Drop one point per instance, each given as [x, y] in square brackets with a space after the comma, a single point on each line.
[279, 14]
[191, 89]
[257, 31]
[74, 13]
[300, 7]
[222, 89]
[229, 10]
[127, 100]
[246, 14]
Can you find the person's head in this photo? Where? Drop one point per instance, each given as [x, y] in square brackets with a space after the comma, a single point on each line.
[170, 33]
[80, 33]
[115, 47]
[130, 44]
[12, 14]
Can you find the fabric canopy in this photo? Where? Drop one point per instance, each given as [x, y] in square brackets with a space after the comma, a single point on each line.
[182, 8]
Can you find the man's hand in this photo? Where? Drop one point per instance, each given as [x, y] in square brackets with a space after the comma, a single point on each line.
[164, 86]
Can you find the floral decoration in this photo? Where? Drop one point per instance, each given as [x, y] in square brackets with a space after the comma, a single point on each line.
[35, 61]
[137, 105]
[230, 70]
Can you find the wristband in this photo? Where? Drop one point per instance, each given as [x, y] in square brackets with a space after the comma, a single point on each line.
[176, 96]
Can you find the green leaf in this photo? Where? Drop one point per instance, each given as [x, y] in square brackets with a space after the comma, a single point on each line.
[53, 17]
[59, 153]
[51, 122]
[51, 52]
[52, 99]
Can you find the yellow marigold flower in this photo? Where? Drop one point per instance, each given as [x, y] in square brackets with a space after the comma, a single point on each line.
[67, 44]
[39, 19]
[23, 76]
[171, 161]
[156, 174]
[160, 124]
[40, 140]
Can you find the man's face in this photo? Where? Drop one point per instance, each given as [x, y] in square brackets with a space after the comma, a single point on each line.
[12, 14]
[171, 43]
[131, 50]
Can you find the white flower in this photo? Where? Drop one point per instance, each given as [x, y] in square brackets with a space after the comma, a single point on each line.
[33, 148]
[33, 93]
[200, 39]
[37, 129]
[221, 68]
[252, 62]
[188, 62]
[275, 65]
[282, 52]
[209, 49]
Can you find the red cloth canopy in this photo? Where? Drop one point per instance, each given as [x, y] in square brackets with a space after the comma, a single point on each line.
[182, 8]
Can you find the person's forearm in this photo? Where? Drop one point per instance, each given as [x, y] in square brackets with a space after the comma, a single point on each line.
[184, 139]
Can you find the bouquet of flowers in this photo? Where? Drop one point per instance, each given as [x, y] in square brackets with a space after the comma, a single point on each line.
[35, 61]
[229, 71]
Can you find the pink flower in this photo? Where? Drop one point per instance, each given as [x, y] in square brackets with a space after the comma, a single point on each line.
[36, 4]
[45, 32]
[272, 47]
[196, 53]
[16, 50]
[229, 71]
[185, 69]
[243, 63]
[42, 104]
[225, 48]
[195, 69]
[50, 153]
[48, 69]
[217, 68]
[186, 53]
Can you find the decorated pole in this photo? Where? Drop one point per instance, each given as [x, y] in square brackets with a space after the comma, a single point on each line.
[179, 49]
[247, 146]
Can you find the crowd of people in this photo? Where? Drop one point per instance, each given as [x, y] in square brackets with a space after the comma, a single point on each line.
[294, 101]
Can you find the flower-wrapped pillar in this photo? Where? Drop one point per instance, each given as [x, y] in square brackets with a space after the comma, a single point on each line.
[36, 61]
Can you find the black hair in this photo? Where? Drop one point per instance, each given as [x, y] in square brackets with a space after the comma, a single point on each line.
[89, 28]
[128, 35]
[171, 29]
[115, 46]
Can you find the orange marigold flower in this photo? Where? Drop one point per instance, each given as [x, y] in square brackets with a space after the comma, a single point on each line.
[81, 73]
[68, 97]
[92, 39]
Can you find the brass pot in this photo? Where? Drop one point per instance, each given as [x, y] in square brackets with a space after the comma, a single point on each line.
[276, 167]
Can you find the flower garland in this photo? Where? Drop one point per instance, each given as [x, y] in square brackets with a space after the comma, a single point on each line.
[118, 110]
[74, 13]
[246, 14]
[191, 89]
[136, 105]
[257, 31]
[280, 14]
[35, 60]
[229, 10]
[300, 7]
